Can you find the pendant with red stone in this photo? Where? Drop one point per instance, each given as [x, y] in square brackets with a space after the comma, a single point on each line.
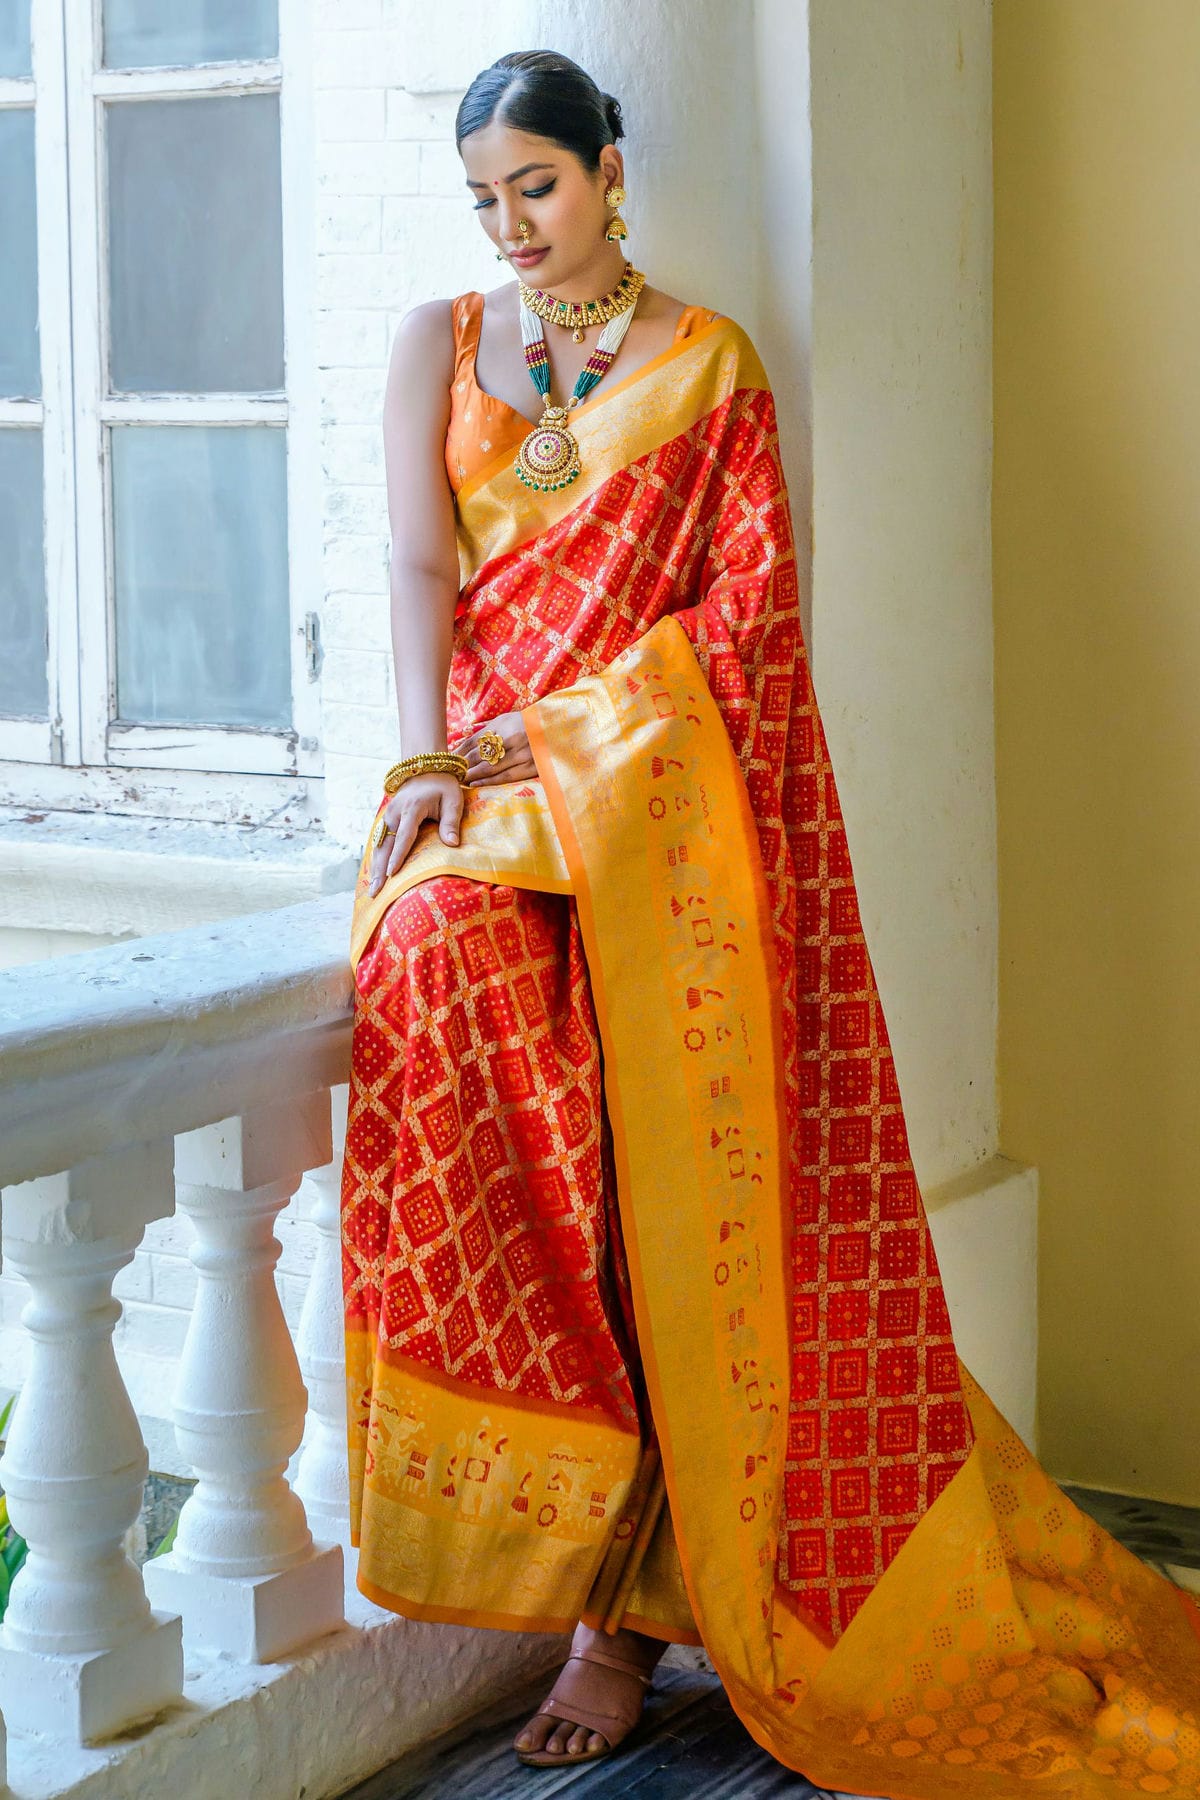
[549, 456]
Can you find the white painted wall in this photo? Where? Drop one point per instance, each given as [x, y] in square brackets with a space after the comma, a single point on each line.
[784, 251]
[902, 631]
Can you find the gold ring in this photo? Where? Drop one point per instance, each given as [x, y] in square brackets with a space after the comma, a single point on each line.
[491, 748]
[381, 833]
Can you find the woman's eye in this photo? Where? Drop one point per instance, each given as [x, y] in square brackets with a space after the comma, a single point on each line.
[537, 193]
[480, 204]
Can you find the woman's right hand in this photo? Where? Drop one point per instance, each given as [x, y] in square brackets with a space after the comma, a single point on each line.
[424, 797]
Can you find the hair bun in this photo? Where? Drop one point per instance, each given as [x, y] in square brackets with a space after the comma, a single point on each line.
[544, 94]
[612, 112]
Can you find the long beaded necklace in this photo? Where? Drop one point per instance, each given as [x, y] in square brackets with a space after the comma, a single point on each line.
[549, 456]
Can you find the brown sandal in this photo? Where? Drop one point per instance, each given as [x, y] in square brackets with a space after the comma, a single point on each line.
[615, 1726]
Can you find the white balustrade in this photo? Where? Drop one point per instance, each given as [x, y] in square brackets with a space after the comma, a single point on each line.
[321, 1474]
[244, 1570]
[104, 1060]
[81, 1653]
[214, 1050]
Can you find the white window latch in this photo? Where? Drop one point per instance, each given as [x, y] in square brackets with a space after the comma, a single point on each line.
[314, 656]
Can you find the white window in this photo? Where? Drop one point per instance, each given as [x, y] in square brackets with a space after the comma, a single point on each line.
[159, 541]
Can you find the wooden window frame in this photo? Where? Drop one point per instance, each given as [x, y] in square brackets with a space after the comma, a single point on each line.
[83, 755]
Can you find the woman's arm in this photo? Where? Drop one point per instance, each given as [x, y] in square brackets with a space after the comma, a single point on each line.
[424, 570]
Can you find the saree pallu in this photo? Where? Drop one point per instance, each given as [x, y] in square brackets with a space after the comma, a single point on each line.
[643, 1320]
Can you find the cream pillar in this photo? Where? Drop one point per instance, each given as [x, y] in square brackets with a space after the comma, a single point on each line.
[902, 621]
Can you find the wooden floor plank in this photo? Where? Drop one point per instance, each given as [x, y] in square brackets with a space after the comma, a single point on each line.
[690, 1745]
[476, 1762]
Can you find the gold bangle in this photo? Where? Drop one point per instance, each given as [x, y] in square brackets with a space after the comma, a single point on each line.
[427, 762]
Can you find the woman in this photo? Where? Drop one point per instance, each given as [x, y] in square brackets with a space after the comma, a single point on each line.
[645, 1333]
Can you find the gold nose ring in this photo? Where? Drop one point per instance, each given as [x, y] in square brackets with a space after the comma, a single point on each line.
[523, 227]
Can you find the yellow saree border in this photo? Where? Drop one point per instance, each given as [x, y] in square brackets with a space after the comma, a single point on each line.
[507, 836]
[413, 1369]
[660, 401]
[663, 856]
[474, 1507]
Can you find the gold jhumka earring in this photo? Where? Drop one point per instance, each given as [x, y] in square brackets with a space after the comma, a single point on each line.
[617, 228]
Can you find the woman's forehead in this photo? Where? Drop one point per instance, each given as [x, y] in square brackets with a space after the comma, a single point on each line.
[497, 152]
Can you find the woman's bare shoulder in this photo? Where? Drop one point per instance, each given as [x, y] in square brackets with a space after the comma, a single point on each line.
[427, 328]
[501, 302]
[656, 303]
[421, 367]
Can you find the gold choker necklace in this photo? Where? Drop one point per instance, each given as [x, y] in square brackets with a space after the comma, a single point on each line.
[576, 315]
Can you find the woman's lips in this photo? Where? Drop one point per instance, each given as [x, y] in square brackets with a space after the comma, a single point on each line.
[526, 259]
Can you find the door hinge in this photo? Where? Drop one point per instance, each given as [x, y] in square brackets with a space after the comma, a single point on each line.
[314, 656]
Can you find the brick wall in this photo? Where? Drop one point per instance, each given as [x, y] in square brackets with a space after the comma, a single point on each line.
[394, 227]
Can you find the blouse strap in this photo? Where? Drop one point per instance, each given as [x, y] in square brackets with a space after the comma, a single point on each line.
[693, 318]
[467, 314]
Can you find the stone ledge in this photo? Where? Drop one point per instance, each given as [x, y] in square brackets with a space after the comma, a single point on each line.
[145, 1040]
[315, 1723]
[114, 876]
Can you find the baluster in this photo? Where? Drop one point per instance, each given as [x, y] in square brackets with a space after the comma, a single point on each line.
[244, 1570]
[321, 1474]
[81, 1653]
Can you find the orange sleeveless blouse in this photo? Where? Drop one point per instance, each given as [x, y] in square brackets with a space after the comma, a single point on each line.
[481, 426]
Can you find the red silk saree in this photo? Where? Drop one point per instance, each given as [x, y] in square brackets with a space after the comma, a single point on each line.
[643, 1320]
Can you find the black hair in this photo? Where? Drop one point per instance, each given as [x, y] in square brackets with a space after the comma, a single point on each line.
[549, 96]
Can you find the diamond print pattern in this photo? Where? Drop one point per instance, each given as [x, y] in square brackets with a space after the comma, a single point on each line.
[479, 1243]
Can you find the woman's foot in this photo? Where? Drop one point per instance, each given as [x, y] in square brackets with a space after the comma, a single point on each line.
[596, 1701]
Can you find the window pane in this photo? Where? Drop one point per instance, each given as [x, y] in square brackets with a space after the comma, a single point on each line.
[200, 541]
[23, 689]
[145, 34]
[16, 53]
[195, 275]
[20, 363]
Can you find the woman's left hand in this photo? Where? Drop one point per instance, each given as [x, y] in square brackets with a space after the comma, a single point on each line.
[516, 764]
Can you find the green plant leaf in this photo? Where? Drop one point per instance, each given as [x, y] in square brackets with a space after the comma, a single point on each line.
[168, 1542]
